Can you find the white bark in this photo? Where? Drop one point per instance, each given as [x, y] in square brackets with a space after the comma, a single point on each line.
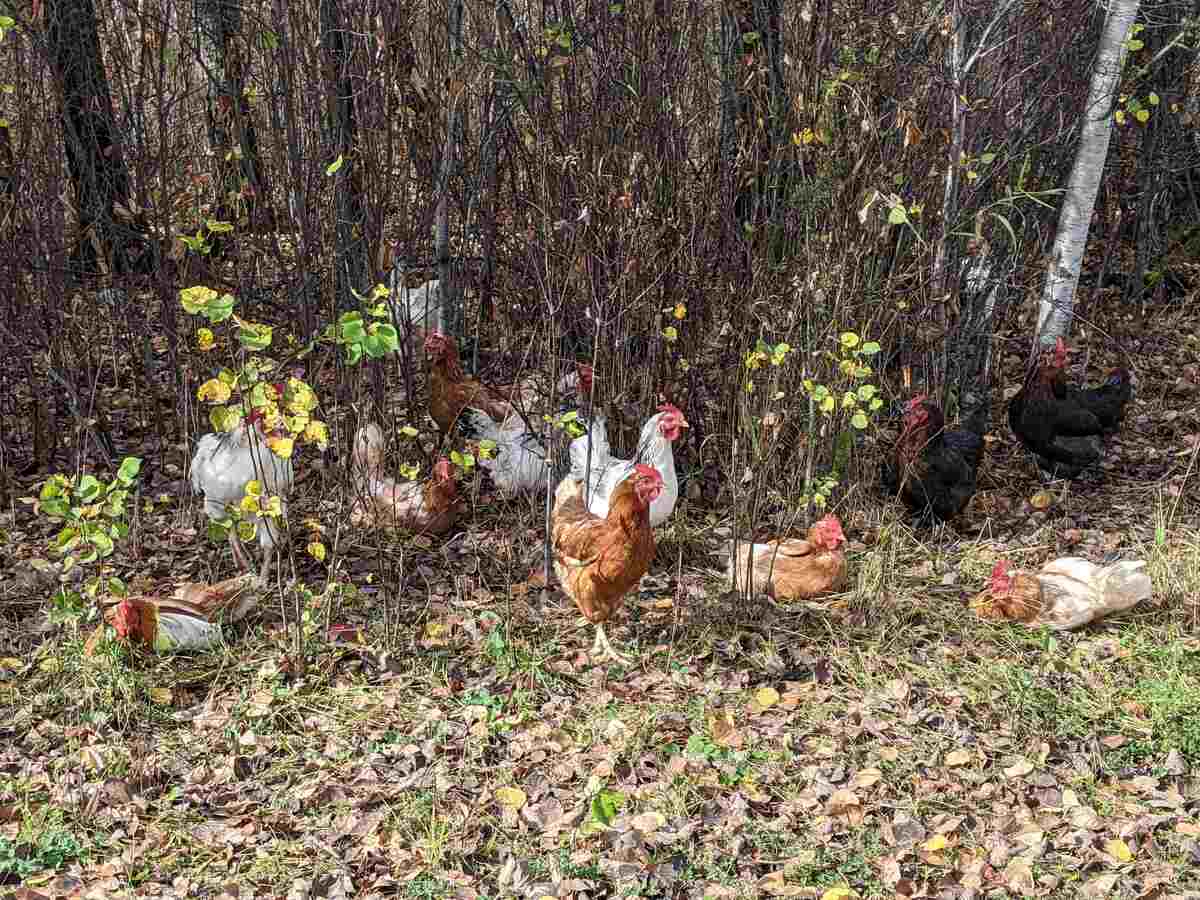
[1057, 305]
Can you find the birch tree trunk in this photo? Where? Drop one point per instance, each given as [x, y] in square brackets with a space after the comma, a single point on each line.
[1057, 305]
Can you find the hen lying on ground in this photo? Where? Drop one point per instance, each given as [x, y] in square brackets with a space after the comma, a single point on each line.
[599, 560]
[188, 620]
[430, 506]
[1065, 593]
[934, 470]
[791, 568]
[607, 472]
[1062, 425]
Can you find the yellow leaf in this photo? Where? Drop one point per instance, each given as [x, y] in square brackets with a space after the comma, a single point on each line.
[317, 551]
[680, 311]
[161, 695]
[957, 758]
[205, 339]
[316, 432]
[248, 504]
[1042, 500]
[935, 843]
[839, 893]
[11, 663]
[513, 798]
[766, 697]
[51, 665]
[1119, 850]
[253, 488]
[214, 391]
[281, 446]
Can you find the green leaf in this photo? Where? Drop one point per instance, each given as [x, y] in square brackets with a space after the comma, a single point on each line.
[897, 215]
[354, 353]
[352, 328]
[117, 587]
[333, 167]
[375, 346]
[89, 490]
[217, 227]
[56, 507]
[102, 542]
[859, 420]
[849, 339]
[409, 431]
[870, 348]
[606, 805]
[866, 392]
[130, 466]
[255, 337]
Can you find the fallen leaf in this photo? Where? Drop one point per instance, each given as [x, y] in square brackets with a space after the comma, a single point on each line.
[957, 758]
[1118, 850]
[1018, 769]
[766, 697]
[513, 798]
[935, 843]
[161, 695]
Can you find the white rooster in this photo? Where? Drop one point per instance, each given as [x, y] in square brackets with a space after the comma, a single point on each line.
[519, 464]
[223, 464]
[605, 471]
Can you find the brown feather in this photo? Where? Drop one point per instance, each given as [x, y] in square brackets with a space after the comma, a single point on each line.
[598, 561]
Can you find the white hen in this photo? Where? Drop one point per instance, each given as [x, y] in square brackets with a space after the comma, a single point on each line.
[420, 306]
[223, 464]
[605, 471]
[519, 464]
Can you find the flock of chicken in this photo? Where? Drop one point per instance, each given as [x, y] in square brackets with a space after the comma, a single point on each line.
[605, 508]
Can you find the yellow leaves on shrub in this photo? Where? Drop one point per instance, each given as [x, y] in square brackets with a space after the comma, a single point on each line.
[214, 391]
[281, 446]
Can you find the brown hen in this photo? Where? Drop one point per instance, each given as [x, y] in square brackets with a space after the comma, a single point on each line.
[791, 568]
[451, 391]
[599, 560]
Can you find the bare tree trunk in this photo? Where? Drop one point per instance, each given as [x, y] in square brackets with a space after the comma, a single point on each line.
[351, 257]
[451, 308]
[242, 190]
[94, 157]
[1057, 305]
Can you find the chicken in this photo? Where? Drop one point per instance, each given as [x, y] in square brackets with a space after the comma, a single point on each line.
[791, 568]
[519, 462]
[450, 391]
[431, 507]
[1066, 593]
[600, 559]
[606, 472]
[934, 470]
[1062, 425]
[417, 309]
[188, 620]
[224, 463]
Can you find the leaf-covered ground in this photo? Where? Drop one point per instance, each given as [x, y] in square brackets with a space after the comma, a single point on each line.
[450, 737]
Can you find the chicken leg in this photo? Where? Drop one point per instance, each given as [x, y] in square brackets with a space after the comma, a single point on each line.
[602, 649]
[240, 558]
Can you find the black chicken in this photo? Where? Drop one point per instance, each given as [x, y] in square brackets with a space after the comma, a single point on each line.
[1062, 425]
[934, 470]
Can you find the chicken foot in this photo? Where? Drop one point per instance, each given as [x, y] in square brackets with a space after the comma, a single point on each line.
[602, 649]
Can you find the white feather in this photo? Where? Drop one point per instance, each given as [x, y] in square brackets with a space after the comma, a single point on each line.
[225, 463]
[1077, 591]
[607, 471]
[519, 464]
